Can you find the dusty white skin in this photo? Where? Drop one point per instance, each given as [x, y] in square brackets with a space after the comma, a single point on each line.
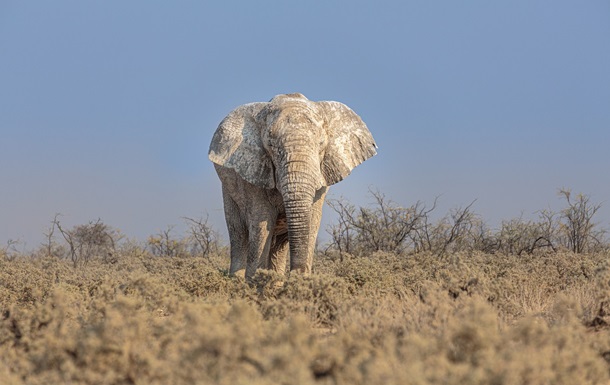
[275, 161]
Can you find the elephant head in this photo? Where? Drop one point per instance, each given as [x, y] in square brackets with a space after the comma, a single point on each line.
[296, 146]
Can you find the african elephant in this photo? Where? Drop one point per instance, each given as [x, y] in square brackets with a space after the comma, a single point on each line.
[275, 161]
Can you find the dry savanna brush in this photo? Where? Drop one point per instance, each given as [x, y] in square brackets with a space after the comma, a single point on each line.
[452, 303]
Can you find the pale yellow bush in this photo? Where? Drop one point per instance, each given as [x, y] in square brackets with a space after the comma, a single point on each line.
[468, 318]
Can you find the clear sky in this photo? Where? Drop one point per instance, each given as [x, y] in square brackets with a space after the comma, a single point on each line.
[107, 107]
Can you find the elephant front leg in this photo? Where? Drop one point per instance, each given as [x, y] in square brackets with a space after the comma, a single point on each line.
[259, 244]
[238, 236]
[316, 217]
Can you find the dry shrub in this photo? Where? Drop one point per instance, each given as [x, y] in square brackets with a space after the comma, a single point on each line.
[387, 226]
[318, 297]
[469, 317]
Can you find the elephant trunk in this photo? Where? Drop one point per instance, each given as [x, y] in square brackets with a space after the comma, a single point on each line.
[298, 189]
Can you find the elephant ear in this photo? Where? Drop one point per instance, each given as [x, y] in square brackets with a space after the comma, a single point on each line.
[349, 142]
[237, 145]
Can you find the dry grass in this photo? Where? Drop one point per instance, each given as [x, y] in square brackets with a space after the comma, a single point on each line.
[469, 318]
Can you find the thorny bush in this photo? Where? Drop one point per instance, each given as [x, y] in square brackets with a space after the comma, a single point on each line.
[386, 226]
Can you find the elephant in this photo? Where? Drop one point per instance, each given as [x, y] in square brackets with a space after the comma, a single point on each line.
[275, 161]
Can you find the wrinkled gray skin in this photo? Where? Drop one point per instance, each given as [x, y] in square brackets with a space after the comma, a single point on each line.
[275, 161]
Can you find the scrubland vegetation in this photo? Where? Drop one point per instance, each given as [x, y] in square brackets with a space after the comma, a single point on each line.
[395, 298]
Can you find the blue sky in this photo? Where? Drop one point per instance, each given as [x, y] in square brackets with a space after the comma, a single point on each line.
[107, 107]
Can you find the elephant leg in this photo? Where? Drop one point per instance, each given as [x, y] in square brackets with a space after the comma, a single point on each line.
[259, 244]
[279, 253]
[238, 236]
[316, 217]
